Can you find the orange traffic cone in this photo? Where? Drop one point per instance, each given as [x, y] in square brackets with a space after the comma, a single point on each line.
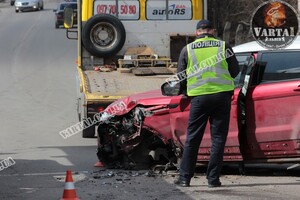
[69, 191]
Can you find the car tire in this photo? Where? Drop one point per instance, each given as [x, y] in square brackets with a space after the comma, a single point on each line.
[113, 35]
[17, 11]
[56, 25]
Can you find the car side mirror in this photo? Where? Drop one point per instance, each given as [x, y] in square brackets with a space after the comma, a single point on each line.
[171, 88]
[68, 18]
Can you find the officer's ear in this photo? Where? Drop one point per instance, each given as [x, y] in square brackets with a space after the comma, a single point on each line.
[198, 32]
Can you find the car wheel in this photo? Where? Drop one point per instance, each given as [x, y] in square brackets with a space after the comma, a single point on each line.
[56, 25]
[103, 35]
[17, 11]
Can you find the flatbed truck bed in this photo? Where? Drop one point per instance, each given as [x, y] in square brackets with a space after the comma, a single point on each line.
[114, 83]
[98, 89]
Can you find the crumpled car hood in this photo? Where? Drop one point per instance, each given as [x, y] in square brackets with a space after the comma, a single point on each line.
[151, 98]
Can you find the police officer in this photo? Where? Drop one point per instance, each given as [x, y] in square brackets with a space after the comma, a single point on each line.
[210, 67]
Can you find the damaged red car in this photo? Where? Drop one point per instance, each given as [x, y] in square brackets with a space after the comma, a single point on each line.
[149, 129]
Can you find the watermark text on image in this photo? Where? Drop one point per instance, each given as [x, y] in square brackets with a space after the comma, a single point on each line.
[5, 163]
[204, 66]
[111, 111]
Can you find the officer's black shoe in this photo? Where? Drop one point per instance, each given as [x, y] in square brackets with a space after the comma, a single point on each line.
[182, 183]
[216, 184]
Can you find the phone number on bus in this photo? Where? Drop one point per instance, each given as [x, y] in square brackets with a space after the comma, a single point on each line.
[126, 9]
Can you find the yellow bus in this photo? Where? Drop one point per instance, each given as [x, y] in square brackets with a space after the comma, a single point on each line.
[142, 34]
[110, 27]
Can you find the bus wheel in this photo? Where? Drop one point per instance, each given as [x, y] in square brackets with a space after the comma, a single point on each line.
[103, 35]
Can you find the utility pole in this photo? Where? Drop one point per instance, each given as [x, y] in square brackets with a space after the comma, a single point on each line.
[298, 11]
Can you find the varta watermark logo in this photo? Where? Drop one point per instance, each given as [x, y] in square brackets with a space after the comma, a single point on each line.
[275, 25]
[274, 32]
[173, 10]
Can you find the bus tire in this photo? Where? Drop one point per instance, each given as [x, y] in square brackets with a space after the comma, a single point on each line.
[103, 35]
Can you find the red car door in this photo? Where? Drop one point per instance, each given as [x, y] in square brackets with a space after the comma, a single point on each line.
[179, 119]
[179, 115]
[273, 107]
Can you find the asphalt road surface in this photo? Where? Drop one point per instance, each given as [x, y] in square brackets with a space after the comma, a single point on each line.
[38, 100]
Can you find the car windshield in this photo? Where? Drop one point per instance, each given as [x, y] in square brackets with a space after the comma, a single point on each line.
[63, 6]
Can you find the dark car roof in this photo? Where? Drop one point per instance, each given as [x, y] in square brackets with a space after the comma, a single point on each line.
[63, 5]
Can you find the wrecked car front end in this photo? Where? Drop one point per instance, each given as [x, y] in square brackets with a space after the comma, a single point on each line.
[126, 137]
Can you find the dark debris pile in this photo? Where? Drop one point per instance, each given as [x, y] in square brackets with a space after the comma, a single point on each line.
[123, 176]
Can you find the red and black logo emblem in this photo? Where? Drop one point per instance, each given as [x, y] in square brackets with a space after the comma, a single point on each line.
[274, 24]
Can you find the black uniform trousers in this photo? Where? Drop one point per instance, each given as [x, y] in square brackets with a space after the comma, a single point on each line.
[216, 109]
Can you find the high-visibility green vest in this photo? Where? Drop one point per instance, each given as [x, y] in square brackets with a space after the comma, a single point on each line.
[207, 69]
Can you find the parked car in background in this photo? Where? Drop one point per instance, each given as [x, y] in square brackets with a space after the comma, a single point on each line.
[28, 5]
[59, 12]
[150, 128]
